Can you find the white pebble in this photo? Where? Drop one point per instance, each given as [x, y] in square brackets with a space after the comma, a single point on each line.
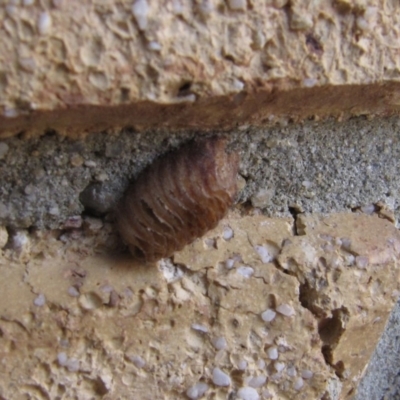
[279, 366]
[248, 393]
[261, 364]
[44, 23]
[90, 164]
[281, 341]
[11, 10]
[301, 21]
[206, 8]
[219, 343]
[138, 361]
[237, 4]
[238, 84]
[307, 374]
[140, 10]
[338, 242]
[263, 197]
[228, 233]
[170, 271]
[277, 377]
[200, 328]
[210, 243]
[28, 2]
[346, 243]
[177, 7]
[3, 236]
[349, 260]
[107, 288]
[230, 262]
[285, 309]
[73, 222]
[328, 248]
[197, 390]
[54, 210]
[266, 394]
[309, 82]
[362, 262]
[363, 24]
[72, 365]
[306, 184]
[370, 12]
[272, 353]
[370, 209]
[242, 365]
[268, 315]
[62, 359]
[40, 300]
[245, 271]
[10, 112]
[93, 224]
[220, 378]
[291, 371]
[264, 254]
[298, 384]
[190, 98]
[326, 237]
[3, 149]
[64, 343]
[73, 291]
[257, 381]
[154, 46]
[28, 64]
[20, 240]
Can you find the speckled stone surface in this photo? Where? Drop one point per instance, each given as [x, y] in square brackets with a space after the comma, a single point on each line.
[312, 167]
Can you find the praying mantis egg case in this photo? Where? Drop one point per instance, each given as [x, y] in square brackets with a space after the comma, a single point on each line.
[178, 198]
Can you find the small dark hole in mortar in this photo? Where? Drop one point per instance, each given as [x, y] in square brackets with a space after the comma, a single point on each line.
[184, 89]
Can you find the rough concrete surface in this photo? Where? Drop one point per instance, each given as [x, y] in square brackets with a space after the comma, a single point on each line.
[314, 167]
[382, 378]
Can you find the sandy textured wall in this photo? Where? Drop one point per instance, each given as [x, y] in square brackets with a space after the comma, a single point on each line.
[258, 308]
[205, 63]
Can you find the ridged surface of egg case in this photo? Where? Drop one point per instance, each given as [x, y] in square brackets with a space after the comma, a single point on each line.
[178, 198]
